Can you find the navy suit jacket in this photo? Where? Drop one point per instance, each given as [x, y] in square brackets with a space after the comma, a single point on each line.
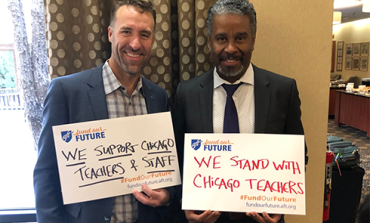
[76, 98]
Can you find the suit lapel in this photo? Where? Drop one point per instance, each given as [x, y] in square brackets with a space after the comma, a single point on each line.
[150, 99]
[261, 99]
[97, 94]
[206, 101]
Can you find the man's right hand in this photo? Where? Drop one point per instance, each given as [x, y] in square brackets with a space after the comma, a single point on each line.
[206, 217]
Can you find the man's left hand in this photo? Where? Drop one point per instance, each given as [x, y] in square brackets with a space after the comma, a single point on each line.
[265, 218]
[153, 198]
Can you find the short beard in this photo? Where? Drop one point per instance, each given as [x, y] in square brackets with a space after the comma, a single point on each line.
[125, 67]
[230, 73]
[129, 70]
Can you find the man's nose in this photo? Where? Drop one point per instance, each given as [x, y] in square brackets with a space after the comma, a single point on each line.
[135, 43]
[231, 48]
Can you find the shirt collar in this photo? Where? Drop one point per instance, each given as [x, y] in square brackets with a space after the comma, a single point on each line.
[247, 78]
[110, 81]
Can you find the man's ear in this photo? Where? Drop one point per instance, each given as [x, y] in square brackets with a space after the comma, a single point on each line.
[153, 40]
[253, 40]
[209, 49]
[110, 33]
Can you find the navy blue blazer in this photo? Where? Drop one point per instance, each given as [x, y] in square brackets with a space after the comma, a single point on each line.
[76, 98]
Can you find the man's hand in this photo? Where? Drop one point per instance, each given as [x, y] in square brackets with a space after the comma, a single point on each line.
[205, 217]
[266, 218]
[153, 198]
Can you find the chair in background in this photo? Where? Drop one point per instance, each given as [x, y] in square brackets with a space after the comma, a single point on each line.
[334, 77]
[355, 80]
[366, 81]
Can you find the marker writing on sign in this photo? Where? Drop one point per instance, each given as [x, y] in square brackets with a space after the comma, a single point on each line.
[159, 156]
[200, 181]
[288, 165]
[219, 183]
[103, 171]
[261, 164]
[158, 161]
[276, 186]
[76, 155]
[250, 164]
[115, 149]
[206, 163]
[164, 144]
[157, 148]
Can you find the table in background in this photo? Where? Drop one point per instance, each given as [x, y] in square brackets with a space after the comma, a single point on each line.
[332, 99]
[353, 110]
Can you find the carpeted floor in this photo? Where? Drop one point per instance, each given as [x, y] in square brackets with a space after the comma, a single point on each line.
[360, 139]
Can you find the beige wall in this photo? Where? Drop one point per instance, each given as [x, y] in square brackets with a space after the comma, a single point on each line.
[352, 32]
[294, 39]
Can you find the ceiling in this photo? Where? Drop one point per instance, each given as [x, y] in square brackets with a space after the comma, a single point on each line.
[351, 14]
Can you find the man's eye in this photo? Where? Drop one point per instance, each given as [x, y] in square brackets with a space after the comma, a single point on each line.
[241, 38]
[221, 39]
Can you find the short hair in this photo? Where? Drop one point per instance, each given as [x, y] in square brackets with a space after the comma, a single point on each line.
[236, 7]
[141, 5]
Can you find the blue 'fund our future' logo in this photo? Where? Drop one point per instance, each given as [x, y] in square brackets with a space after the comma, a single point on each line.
[196, 143]
[66, 135]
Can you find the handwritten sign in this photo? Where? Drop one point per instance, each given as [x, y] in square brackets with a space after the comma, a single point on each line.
[244, 172]
[112, 157]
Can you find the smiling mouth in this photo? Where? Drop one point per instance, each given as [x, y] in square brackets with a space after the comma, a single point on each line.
[133, 55]
[230, 62]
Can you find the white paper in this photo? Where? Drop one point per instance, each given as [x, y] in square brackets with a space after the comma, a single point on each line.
[246, 172]
[112, 157]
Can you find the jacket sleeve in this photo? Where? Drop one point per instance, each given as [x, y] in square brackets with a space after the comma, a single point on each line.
[294, 123]
[179, 127]
[49, 202]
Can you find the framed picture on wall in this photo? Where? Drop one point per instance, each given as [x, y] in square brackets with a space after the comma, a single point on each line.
[339, 63]
[356, 63]
[364, 49]
[356, 49]
[349, 49]
[340, 45]
[333, 56]
[340, 55]
[363, 63]
[348, 63]
[339, 67]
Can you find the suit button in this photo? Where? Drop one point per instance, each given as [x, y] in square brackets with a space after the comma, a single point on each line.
[106, 218]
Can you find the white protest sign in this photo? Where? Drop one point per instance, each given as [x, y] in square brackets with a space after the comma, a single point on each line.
[244, 173]
[112, 157]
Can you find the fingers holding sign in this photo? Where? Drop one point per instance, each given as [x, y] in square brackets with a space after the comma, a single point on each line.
[153, 198]
[205, 217]
[265, 218]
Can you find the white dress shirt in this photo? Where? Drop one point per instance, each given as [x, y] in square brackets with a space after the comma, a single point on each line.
[243, 99]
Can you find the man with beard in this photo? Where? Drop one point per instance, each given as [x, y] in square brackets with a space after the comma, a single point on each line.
[258, 100]
[112, 90]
